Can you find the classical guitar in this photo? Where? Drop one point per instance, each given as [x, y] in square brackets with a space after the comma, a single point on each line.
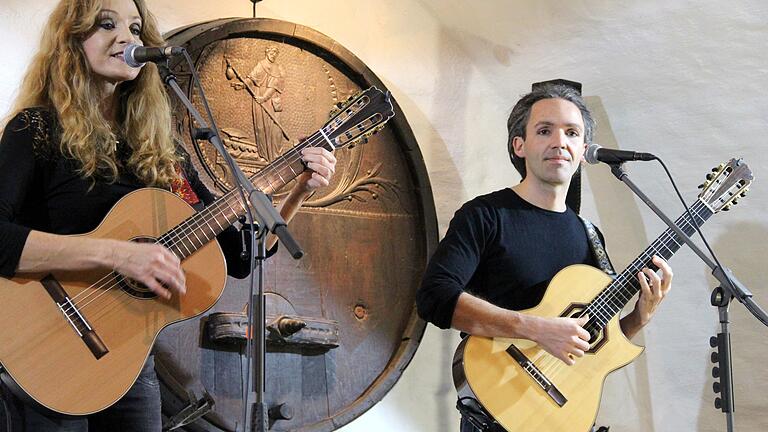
[524, 388]
[75, 342]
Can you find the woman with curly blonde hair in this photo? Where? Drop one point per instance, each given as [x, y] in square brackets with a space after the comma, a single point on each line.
[130, 103]
[85, 130]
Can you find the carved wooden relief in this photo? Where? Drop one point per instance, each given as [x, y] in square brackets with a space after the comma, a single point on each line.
[341, 321]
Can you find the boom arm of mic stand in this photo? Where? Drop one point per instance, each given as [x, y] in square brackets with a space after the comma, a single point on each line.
[265, 211]
[728, 281]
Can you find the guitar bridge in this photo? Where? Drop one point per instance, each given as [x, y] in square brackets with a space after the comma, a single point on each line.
[74, 317]
[549, 388]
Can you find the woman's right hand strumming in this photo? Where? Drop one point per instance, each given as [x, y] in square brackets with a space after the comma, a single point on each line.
[148, 263]
[151, 264]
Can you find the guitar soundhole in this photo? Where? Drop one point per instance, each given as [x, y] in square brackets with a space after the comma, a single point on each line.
[598, 334]
[137, 289]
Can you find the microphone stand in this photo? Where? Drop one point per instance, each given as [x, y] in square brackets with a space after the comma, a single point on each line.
[729, 288]
[269, 220]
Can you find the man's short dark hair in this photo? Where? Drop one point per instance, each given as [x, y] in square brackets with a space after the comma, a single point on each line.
[521, 113]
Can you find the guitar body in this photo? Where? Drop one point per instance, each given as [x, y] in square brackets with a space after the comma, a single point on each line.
[75, 342]
[484, 369]
[46, 357]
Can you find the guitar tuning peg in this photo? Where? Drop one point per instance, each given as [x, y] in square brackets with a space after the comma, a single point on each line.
[710, 176]
[701, 186]
[335, 109]
[743, 193]
[735, 201]
[726, 208]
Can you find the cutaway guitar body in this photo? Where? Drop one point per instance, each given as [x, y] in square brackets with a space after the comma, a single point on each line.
[511, 392]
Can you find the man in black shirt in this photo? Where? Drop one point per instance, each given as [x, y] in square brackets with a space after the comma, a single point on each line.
[502, 249]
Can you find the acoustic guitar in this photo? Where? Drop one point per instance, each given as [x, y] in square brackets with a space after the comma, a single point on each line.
[75, 342]
[523, 387]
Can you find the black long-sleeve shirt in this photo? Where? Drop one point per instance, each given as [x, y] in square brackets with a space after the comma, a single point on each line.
[503, 249]
[40, 189]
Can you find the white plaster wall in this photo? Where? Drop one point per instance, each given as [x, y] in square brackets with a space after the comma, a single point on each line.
[685, 80]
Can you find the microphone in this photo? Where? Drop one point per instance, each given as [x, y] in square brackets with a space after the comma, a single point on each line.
[137, 55]
[596, 154]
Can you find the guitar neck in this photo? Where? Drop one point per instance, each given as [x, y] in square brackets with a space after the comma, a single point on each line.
[202, 227]
[288, 166]
[355, 119]
[617, 294]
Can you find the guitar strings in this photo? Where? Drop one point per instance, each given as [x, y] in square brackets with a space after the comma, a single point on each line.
[284, 160]
[551, 365]
[177, 237]
[174, 238]
[103, 310]
[100, 287]
[88, 292]
[104, 306]
[617, 289]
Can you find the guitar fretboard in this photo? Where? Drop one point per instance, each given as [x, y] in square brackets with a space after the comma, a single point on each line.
[619, 292]
[360, 117]
[202, 227]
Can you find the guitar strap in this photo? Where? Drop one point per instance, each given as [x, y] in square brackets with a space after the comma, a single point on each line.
[181, 187]
[597, 248]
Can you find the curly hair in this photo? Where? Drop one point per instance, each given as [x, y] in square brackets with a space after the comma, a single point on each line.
[60, 78]
[521, 113]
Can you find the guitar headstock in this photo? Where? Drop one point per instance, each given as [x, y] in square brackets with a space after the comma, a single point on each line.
[359, 117]
[725, 184]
